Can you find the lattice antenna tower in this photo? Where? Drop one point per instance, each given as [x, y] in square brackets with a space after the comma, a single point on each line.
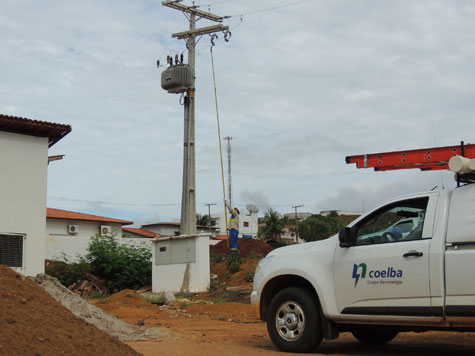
[228, 140]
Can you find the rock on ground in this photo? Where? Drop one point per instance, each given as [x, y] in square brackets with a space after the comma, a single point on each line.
[91, 313]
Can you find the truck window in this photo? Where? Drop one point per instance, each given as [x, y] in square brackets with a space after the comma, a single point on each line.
[396, 222]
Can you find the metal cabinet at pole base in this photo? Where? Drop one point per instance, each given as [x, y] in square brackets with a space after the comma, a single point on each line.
[178, 79]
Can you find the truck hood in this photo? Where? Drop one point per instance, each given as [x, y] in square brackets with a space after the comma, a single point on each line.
[292, 248]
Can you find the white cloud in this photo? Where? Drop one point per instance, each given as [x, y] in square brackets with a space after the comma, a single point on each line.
[299, 88]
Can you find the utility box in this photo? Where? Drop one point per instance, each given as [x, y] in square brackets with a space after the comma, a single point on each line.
[181, 264]
[178, 78]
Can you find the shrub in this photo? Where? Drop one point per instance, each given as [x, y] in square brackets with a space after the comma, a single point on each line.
[68, 272]
[234, 262]
[123, 266]
[234, 266]
[249, 276]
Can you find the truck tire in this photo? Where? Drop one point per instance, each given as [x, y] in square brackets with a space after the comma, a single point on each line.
[374, 337]
[293, 320]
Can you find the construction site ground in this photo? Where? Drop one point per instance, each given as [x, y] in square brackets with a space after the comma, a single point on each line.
[219, 322]
[198, 326]
[224, 323]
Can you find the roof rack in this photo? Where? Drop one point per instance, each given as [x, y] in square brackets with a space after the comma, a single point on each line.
[426, 159]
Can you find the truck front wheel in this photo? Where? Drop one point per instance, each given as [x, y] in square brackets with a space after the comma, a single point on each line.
[293, 320]
[375, 337]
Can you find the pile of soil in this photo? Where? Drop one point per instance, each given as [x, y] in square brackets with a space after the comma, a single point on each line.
[33, 323]
[247, 247]
[239, 278]
[90, 313]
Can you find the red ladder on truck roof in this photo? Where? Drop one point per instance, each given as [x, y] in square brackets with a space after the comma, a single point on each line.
[426, 159]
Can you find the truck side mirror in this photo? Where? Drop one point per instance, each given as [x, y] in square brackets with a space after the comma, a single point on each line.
[344, 235]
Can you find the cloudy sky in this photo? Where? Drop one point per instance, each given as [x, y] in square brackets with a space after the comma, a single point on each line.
[300, 87]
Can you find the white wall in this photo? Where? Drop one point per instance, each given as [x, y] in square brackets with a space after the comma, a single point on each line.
[23, 184]
[137, 241]
[183, 277]
[171, 230]
[58, 239]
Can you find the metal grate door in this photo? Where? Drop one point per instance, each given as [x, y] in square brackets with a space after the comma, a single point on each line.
[11, 250]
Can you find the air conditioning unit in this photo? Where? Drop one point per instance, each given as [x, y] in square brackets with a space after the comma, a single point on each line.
[73, 229]
[106, 230]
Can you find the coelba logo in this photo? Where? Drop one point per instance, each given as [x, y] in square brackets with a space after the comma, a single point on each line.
[357, 275]
[359, 271]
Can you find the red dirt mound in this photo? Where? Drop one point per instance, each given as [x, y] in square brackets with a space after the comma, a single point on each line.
[246, 247]
[33, 323]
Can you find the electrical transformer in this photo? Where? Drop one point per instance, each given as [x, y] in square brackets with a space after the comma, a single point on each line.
[178, 78]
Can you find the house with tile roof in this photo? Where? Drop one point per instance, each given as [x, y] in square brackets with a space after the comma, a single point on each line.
[173, 228]
[68, 233]
[24, 160]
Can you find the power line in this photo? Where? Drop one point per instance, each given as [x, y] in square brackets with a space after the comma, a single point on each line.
[269, 9]
[216, 3]
[153, 204]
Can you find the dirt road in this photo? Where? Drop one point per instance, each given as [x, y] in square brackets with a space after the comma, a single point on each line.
[200, 328]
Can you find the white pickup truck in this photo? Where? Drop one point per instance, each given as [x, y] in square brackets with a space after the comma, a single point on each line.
[373, 282]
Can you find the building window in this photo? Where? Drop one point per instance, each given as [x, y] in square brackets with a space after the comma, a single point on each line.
[246, 224]
[11, 250]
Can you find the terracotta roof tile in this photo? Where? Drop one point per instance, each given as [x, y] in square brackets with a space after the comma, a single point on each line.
[142, 232]
[220, 237]
[24, 126]
[71, 215]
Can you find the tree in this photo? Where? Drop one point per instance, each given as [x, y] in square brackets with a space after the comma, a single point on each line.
[203, 220]
[273, 225]
[318, 227]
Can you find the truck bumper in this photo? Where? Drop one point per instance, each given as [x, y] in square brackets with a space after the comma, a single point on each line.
[255, 301]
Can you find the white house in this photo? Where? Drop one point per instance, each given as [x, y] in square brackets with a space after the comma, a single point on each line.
[173, 228]
[138, 237]
[301, 215]
[68, 233]
[24, 147]
[248, 224]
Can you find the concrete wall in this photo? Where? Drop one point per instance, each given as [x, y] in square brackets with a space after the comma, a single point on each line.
[23, 184]
[183, 277]
[59, 241]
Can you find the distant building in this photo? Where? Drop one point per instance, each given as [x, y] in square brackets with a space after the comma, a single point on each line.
[24, 159]
[301, 215]
[340, 212]
[247, 224]
[137, 233]
[68, 233]
[173, 228]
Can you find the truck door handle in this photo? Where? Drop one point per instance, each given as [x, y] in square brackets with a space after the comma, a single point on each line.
[413, 254]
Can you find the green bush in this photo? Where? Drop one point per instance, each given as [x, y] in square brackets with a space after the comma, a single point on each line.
[234, 266]
[249, 276]
[122, 266]
[234, 262]
[68, 272]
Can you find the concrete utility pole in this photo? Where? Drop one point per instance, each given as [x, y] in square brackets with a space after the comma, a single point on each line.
[209, 214]
[296, 230]
[188, 204]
